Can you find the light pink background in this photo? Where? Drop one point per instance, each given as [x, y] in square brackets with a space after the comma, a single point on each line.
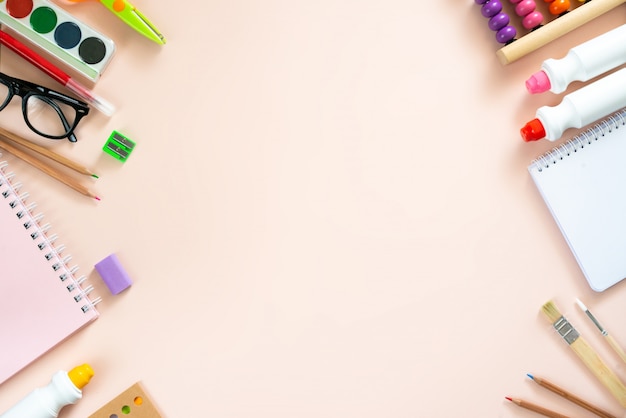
[327, 213]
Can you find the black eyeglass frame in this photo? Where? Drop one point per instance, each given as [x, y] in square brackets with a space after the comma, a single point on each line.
[25, 89]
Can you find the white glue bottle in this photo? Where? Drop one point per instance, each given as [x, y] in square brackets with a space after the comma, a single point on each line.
[582, 63]
[65, 388]
[580, 108]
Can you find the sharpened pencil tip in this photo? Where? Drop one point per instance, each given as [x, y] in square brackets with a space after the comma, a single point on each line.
[530, 375]
[508, 399]
[97, 198]
[95, 176]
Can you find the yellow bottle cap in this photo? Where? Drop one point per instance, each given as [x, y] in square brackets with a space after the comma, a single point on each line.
[81, 375]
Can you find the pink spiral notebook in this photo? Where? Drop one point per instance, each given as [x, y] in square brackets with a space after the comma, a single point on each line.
[41, 300]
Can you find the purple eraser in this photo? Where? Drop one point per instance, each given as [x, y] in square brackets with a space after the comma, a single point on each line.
[113, 274]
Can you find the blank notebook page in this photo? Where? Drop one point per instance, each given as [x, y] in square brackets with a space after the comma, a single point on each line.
[583, 182]
[37, 310]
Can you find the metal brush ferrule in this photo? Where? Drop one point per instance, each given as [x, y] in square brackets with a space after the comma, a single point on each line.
[566, 330]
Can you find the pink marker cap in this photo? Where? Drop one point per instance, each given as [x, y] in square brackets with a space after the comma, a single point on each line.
[538, 83]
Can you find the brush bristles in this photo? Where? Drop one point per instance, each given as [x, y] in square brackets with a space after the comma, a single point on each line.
[581, 305]
[551, 311]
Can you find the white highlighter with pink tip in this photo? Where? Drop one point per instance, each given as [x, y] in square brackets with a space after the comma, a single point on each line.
[582, 63]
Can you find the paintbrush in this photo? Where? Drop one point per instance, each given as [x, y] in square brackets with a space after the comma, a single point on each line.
[614, 345]
[585, 352]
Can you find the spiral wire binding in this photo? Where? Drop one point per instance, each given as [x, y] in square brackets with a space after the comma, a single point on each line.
[580, 141]
[9, 192]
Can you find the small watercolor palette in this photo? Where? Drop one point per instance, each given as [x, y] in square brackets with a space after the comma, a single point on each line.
[60, 34]
[134, 402]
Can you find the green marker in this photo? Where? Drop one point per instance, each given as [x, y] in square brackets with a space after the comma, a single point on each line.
[135, 19]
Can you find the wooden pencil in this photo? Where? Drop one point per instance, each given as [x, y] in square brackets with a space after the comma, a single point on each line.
[536, 408]
[585, 352]
[10, 136]
[32, 160]
[555, 29]
[571, 397]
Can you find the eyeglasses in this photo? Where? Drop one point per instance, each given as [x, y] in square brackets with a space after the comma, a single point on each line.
[47, 112]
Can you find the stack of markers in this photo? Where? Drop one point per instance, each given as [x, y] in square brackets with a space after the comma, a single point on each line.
[589, 103]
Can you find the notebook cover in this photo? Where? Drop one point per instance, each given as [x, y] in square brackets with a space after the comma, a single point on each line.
[37, 311]
[583, 184]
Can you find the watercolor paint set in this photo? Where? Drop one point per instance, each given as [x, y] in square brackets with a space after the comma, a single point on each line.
[62, 35]
[134, 402]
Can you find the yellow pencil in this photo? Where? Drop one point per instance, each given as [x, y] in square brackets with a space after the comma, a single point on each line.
[584, 351]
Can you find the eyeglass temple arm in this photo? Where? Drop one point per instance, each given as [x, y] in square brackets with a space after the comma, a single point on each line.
[66, 125]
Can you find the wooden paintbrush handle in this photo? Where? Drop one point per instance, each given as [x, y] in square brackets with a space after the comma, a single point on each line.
[616, 347]
[608, 378]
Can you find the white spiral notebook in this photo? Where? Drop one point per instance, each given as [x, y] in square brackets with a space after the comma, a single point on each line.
[41, 300]
[583, 182]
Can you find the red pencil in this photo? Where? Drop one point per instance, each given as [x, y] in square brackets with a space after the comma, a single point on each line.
[536, 408]
[55, 72]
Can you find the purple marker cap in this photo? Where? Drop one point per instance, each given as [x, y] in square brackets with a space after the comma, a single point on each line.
[538, 83]
[113, 274]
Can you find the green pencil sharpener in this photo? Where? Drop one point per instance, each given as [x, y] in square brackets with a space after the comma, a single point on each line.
[119, 146]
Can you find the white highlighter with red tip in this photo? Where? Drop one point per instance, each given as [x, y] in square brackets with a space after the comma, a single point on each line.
[579, 108]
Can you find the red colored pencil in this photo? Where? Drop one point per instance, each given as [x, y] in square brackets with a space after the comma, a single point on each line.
[536, 408]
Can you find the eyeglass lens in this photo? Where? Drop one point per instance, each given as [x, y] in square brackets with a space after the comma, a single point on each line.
[44, 115]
